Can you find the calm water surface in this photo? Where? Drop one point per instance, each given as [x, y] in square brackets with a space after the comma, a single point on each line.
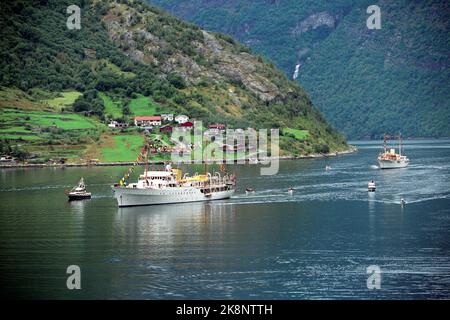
[314, 244]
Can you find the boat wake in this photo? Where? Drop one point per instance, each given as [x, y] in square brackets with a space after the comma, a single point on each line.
[360, 195]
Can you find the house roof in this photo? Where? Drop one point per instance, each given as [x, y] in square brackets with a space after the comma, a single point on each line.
[187, 124]
[216, 126]
[148, 118]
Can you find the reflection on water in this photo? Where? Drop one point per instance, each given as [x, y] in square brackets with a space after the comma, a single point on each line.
[147, 224]
[313, 244]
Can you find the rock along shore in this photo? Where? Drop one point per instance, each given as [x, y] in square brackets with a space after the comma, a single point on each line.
[352, 149]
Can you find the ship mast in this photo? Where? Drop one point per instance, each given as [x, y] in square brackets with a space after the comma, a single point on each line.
[204, 160]
[146, 159]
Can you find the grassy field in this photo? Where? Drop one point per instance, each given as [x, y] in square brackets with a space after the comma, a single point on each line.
[24, 137]
[35, 126]
[65, 121]
[15, 98]
[299, 134]
[98, 65]
[142, 106]
[112, 108]
[123, 148]
[64, 99]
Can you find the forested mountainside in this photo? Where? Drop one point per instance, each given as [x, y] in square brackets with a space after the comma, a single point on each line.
[132, 59]
[366, 82]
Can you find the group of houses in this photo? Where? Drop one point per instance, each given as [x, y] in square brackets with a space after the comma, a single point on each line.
[165, 123]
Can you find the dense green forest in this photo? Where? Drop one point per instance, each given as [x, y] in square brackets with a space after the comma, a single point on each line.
[129, 57]
[366, 82]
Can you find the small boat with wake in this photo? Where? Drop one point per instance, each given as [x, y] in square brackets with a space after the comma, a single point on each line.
[371, 186]
[291, 190]
[249, 190]
[79, 192]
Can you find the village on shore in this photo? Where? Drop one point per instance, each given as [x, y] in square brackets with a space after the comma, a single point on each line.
[158, 131]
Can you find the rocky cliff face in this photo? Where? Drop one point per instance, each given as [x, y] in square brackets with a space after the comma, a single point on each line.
[314, 21]
[125, 27]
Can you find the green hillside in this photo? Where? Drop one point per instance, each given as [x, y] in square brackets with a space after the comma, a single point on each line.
[131, 59]
[365, 81]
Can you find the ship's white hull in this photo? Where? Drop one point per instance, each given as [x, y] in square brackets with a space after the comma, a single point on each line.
[127, 197]
[392, 164]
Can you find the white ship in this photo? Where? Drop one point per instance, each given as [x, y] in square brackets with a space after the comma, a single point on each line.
[168, 186]
[79, 192]
[389, 159]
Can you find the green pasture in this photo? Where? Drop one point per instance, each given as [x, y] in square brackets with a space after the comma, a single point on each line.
[299, 134]
[64, 99]
[125, 148]
[112, 108]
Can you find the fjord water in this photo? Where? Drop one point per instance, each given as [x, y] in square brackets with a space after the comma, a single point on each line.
[314, 244]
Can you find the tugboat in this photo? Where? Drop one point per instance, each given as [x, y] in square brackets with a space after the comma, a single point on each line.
[389, 159]
[371, 186]
[79, 192]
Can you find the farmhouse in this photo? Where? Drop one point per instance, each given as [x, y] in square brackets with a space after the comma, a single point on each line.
[166, 129]
[181, 119]
[116, 125]
[147, 121]
[217, 126]
[187, 125]
[167, 117]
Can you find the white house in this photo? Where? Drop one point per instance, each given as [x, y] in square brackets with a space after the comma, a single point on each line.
[147, 121]
[115, 124]
[167, 117]
[181, 119]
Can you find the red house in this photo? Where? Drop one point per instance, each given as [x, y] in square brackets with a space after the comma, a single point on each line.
[166, 129]
[217, 126]
[187, 125]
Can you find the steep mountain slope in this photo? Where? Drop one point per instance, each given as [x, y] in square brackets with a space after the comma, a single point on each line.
[365, 81]
[127, 52]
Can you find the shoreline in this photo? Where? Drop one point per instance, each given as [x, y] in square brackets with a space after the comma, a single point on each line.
[351, 150]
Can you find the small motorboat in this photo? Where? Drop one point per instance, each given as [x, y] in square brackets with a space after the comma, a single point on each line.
[402, 202]
[371, 186]
[327, 168]
[291, 190]
[249, 190]
[79, 192]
